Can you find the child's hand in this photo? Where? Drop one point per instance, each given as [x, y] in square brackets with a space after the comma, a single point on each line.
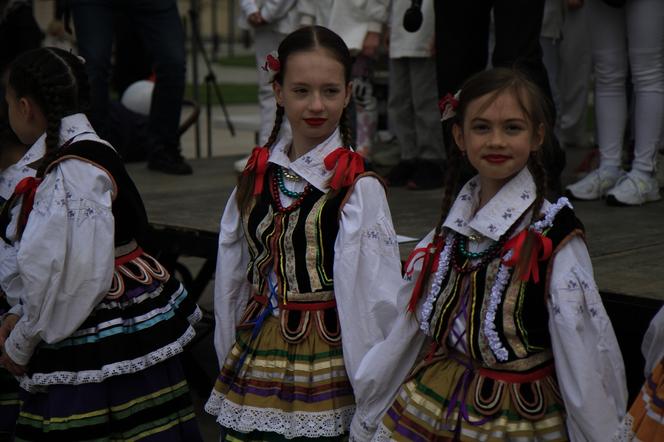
[371, 44]
[256, 19]
[10, 365]
[6, 327]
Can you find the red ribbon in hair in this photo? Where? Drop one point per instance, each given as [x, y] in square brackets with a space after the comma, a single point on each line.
[28, 188]
[257, 164]
[447, 106]
[430, 253]
[346, 164]
[542, 248]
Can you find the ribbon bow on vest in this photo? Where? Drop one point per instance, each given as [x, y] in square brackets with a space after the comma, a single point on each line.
[257, 164]
[541, 251]
[27, 188]
[347, 166]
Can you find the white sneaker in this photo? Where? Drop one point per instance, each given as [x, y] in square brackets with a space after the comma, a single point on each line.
[239, 165]
[634, 189]
[594, 185]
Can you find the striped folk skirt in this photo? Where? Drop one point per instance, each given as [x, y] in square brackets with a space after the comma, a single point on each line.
[448, 401]
[271, 389]
[645, 419]
[9, 404]
[118, 376]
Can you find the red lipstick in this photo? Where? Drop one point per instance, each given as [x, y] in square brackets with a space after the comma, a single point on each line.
[496, 159]
[315, 121]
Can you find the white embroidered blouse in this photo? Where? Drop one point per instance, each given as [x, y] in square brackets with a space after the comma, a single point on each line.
[367, 266]
[63, 265]
[588, 361]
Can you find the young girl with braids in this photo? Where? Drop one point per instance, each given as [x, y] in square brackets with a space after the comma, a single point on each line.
[99, 324]
[307, 261]
[505, 336]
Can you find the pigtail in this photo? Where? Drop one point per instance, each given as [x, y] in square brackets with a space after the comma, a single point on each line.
[247, 181]
[345, 130]
[536, 167]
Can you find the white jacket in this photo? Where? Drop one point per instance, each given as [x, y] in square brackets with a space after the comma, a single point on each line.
[280, 15]
[411, 44]
[351, 19]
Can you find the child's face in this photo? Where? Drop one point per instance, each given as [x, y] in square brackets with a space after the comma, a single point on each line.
[314, 94]
[21, 117]
[497, 137]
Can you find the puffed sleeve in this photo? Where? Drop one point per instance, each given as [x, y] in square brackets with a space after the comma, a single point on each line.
[10, 279]
[386, 365]
[231, 288]
[65, 259]
[367, 271]
[653, 343]
[588, 361]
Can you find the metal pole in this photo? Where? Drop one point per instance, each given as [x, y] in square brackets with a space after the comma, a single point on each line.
[231, 28]
[193, 21]
[215, 28]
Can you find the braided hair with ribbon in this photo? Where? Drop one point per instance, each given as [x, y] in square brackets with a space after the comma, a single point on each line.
[308, 38]
[533, 103]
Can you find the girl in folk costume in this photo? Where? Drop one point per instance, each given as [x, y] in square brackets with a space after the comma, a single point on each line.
[644, 420]
[307, 261]
[100, 323]
[513, 339]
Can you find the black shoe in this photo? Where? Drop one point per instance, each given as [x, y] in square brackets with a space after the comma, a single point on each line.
[428, 175]
[169, 162]
[401, 173]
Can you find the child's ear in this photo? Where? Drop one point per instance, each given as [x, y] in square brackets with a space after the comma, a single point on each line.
[276, 88]
[349, 92]
[457, 133]
[26, 107]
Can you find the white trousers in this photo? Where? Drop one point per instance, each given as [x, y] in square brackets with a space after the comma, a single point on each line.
[633, 34]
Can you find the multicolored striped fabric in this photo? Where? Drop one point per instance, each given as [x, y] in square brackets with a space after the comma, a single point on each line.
[146, 318]
[292, 389]
[118, 376]
[645, 419]
[9, 404]
[152, 405]
[450, 400]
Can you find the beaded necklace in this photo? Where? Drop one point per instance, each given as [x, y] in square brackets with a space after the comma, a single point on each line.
[282, 185]
[485, 256]
[275, 188]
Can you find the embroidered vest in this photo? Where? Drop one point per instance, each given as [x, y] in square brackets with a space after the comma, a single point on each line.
[520, 320]
[131, 222]
[297, 243]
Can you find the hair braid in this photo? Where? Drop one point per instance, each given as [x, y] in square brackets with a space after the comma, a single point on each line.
[246, 182]
[278, 119]
[536, 167]
[344, 128]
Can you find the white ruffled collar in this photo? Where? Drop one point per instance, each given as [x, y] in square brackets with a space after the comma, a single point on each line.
[499, 214]
[310, 166]
[72, 126]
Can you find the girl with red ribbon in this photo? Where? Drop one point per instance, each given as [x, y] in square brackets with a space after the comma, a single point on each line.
[308, 263]
[97, 325]
[505, 336]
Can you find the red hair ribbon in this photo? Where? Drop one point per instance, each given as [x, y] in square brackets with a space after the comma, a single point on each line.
[347, 166]
[448, 105]
[28, 188]
[257, 164]
[542, 248]
[272, 64]
[426, 254]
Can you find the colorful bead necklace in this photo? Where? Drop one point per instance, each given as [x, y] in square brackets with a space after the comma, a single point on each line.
[282, 185]
[275, 188]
